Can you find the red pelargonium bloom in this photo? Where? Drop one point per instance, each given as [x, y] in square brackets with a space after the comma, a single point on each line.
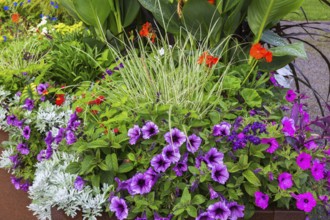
[147, 32]
[60, 99]
[116, 130]
[208, 59]
[211, 2]
[99, 100]
[258, 52]
[79, 109]
[15, 17]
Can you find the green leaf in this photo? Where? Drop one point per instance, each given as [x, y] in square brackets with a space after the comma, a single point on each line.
[295, 49]
[186, 197]
[250, 189]
[125, 168]
[112, 162]
[262, 14]
[198, 199]
[73, 168]
[277, 63]
[251, 177]
[193, 170]
[87, 163]
[231, 83]
[192, 211]
[97, 144]
[178, 211]
[130, 9]
[273, 38]
[251, 97]
[95, 180]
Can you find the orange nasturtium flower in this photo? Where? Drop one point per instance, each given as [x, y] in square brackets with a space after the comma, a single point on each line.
[15, 17]
[211, 2]
[147, 32]
[258, 52]
[208, 59]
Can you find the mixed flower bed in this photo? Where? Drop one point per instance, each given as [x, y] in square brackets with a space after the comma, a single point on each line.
[149, 114]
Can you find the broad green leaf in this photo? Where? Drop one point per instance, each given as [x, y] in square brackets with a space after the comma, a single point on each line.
[273, 39]
[73, 168]
[192, 211]
[186, 197]
[198, 199]
[251, 97]
[97, 144]
[277, 63]
[231, 83]
[130, 9]
[87, 163]
[251, 177]
[125, 168]
[250, 189]
[295, 49]
[112, 162]
[263, 13]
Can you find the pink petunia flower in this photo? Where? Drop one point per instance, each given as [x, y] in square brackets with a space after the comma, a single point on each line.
[304, 161]
[288, 127]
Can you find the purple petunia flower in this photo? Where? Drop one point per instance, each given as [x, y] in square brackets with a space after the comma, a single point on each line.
[16, 182]
[143, 217]
[204, 216]
[175, 137]
[222, 129]
[11, 119]
[318, 170]
[25, 186]
[49, 139]
[26, 132]
[79, 183]
[42, 89]
[193, 143]
[45, 154]
[288, 127]
[152, 175]
[123, 185]
[285, 181]
[273, 145]
[134, 134]
[23, 149]
[159, 163]
[181, 166]
[311, 145]
[304, 161]
[220, 173]
[305, 202]
[14, 160]
[140, 184]
[198, 161]
[171, 154]
[158, 217]
[290, 95]
[261, 199]
[149, 129]
[213, 193]
[218, 210]
[60, 135]
[17, 123]
[28, 104]
[73, 122]
[213, 157]
[236, 210]
[70, 138]
[119, 207]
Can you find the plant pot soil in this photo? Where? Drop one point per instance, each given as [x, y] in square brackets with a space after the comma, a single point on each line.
[12, 202]
[60, 215]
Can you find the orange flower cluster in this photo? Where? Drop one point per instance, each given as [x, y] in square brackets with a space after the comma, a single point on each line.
[147, 32]
[208, 59]
[15, 17]
[258, 52]
[211, 2]
[60, 99]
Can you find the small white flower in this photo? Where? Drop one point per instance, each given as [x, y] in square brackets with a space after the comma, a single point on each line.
[161, 52]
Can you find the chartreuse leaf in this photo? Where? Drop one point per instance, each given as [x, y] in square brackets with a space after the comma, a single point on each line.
[125, 168]
[262, 14]
[97, 144]
[251, 97]
[251, 177]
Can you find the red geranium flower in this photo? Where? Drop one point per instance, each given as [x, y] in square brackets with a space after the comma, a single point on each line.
[211, 2]
[115, 130]
[258, 52]
[15, 17]
[208, 59]
[79, 109]
[147, 32]
[60, 99]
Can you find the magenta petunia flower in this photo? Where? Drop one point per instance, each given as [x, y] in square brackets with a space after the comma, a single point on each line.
[290, 95]
[175, 137]
[149, 129]
[134, 134]
[213, 157]
[273, 144]
[311, 145]
[171, 154]
[193, 143]
[220, 173]
[26, 132]
[288, 127]
[318, 170]
[218, 210]
[285, 181]
[140, 184]
[23, 149]
[222, 129]
[304, 161]
[261, 200]
[305, 202]
[79, 183]
[119, 207]
[159, 163]
[236, 210]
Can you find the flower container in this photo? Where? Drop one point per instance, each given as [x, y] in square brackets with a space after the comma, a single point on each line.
[13, 202]
[59, 214]
[278, 214]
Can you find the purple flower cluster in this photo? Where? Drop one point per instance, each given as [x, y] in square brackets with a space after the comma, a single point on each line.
[148, 130]
[18, 184]
[223, 210]
[23, 148]
[119, 207]
[79, 183]
[28, 104]
[13, 120]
